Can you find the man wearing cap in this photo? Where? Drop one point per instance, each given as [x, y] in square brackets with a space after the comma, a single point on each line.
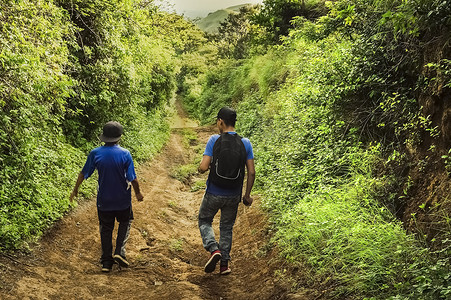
[224, 191]
[116, 172]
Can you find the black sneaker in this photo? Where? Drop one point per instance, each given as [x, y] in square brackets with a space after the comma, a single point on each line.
[122, 261]
[107, 266]
[224, 268]
[211, 263]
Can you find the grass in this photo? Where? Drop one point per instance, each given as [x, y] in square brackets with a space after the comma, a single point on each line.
[318, 178]
[183, 172]
[198, 185]
[172, 204]
[343, 233]
[189, 137]
[176, 245]
[190, 142]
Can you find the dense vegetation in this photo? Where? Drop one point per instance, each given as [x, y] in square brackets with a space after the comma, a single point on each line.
[67, 67]
[344, 101]
[333, 101]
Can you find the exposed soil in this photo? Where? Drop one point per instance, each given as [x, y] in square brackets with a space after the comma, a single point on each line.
[427, 207]
[164, 249]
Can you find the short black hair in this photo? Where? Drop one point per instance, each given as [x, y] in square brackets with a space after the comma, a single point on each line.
[228, 115]
[229, 123]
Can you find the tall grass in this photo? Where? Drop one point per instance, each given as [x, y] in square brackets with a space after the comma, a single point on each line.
[318, 179]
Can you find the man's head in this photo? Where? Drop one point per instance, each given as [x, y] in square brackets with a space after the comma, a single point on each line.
[112, 132]
[226, 118]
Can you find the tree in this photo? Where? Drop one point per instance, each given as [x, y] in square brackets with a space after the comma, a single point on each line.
[276, 15]
[235, 33]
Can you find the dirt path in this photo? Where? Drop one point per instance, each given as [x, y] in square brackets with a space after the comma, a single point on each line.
[164, 249]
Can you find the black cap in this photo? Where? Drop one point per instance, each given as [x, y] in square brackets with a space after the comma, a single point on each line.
[112, 132]
[227, 113]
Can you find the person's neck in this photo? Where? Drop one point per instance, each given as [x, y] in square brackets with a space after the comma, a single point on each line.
[110, 144]
[228, 129]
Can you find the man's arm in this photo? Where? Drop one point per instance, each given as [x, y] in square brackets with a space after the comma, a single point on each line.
[250, 181]
[74, 193]
[204, 164]
[138, 194]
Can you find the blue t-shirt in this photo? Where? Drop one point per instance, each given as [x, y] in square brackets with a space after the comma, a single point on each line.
[211, 187]
[116, 170]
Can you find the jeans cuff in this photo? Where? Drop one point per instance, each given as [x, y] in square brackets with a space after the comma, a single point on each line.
[213, 248]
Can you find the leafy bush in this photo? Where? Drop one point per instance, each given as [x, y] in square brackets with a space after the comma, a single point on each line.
[66, 68]
[229, 81]
[115, 78]
[316, 167]
[276, 15]
[36, 165]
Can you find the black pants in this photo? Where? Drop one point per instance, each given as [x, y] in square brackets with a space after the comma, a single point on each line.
[106, 224]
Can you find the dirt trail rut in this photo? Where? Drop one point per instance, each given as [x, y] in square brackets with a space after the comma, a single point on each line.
[164, 248]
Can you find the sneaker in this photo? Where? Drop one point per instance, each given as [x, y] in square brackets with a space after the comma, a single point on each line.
[107, 266]
[121, 261]
[211, 263]
[224, 269]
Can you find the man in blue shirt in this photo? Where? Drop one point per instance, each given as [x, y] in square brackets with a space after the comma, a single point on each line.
[116, 173]
[225, 198]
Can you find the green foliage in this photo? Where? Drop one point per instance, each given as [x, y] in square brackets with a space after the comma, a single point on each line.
[116, 80]
[176, 245]
[432, 279]
[198, 185]
[447, 159]
[195, 58]
[388, 77]
[67, 67]
[229, 81]
[189, 137]
[318, 180]
[276, 15]
[235, 33]
[321, 111]
[184, 172]
[146, 134]
[36, 165]
[440, 73]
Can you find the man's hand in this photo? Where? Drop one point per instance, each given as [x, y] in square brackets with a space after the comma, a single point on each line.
[138, 194]
[247, 200]
[73, 195]
[139, 197]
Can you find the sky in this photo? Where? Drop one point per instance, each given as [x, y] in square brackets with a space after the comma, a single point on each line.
[200, 8]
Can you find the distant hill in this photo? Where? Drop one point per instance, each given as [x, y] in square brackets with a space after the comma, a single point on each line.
[211, 22]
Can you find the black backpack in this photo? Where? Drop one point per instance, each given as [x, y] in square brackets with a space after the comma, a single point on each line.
[229, 159]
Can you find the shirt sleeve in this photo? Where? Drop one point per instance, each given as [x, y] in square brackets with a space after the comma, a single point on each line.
[248, 147]
[89, 167]
[130, 174]
[211, 142]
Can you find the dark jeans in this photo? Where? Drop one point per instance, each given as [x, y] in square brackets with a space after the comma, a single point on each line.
[208, 209]
[106, 224]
